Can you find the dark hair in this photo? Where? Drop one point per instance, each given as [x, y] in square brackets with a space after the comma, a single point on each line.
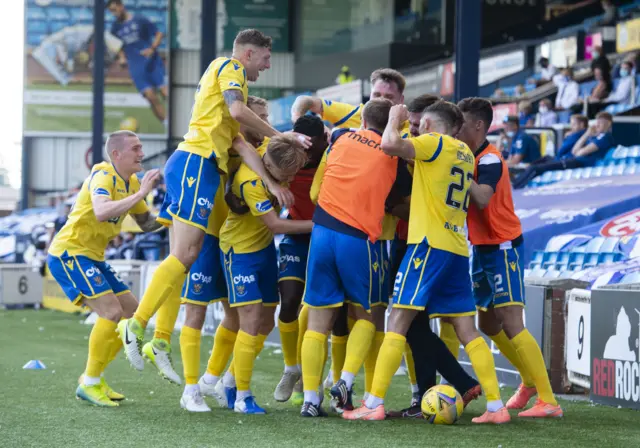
[448, 113]
[512, 119]
[388, 75]
[419, 104]
[253, 37]
[479, 109]
[581, 118]
[376, 113]
[309, 125]
[113, 2]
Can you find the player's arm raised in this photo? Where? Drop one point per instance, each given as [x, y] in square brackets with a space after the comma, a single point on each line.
[106, 208]
[392, 142]
[253, 160]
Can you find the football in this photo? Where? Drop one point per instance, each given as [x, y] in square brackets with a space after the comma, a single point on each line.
[129, 124]
[442, 405]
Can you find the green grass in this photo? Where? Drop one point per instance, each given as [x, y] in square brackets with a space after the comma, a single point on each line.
[37, 119]
[120, 88]
[38, 408]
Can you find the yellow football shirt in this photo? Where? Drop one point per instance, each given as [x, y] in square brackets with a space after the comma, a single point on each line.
[343, 115]
[442, 176]
[83, 234]
[211, 127]
[247, 233]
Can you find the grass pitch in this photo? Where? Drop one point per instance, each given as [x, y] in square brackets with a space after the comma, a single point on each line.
[38, 407]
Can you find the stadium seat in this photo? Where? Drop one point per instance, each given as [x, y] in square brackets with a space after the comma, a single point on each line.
[634, 151]
[591, 260]
[550, 259]
[633, 277]
[608, 171]
[621, 152]
[577, 260]
[36, 13]
[610, 244]
[552, 273]
[618, 170]
[630, 169]
[594, 245]
[610, 258]
[567, 174]
[538, 272]
[58, 14]
[597, 171]
[557, 176]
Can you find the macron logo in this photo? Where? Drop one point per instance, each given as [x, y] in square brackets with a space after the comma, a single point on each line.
[234, 84]
[190, 181]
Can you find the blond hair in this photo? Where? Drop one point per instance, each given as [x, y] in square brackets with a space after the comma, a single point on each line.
[256, 101]
[286, 153]
[115, 141]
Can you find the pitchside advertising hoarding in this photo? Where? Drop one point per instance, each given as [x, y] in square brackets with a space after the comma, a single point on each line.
[615, 347]
[59, 51]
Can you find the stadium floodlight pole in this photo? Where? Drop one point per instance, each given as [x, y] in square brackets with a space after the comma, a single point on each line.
[208, 23]
[467, 47]
[97, 122]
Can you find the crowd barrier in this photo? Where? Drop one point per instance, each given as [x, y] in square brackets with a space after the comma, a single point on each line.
[601, 355]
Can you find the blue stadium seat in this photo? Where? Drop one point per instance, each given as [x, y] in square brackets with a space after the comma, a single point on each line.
[608, 171]
[149, 4]
[610, 244]
[58, 14]
[36, 13]
[587, 172]
[633, 277]
[630, 169]
[577, 174]
[620, 152]
[610, 258]
[539, 272]
[594, 244]
[567, 174]
[81, 15]
[57, 26]
[618, 170]
[586, 88]
[634, 151]
[577, 260]
[34, 39]
[538, 256]
[551, 273]
[37, 28]
[557, 175]
[550, 259]
[597, 171]
[591, 260]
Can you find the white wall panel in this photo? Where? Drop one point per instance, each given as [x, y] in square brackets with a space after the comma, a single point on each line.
[60, 163]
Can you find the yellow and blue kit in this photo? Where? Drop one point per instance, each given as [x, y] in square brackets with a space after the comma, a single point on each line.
[76, 255]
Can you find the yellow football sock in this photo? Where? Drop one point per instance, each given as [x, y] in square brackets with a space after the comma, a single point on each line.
[259, 346]
[303, 321]
[100, 346]
[115, 345]
[484, 367]
[168, 276]
[508, 349]
[289, 340]
[260, 342]
[531, 356]
[370, 361]
[190, 351]
[338, 354]
[244, 355]
[358, 345]
[313, 348]
[350, 323]
[449, 337]
[389, 359]
[223, 343]
[167, 316]
[411, 365]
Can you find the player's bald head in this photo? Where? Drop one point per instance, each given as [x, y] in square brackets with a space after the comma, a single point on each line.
[120, 140]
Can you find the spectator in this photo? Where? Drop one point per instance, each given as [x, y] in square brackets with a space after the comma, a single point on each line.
[546, 116]
[499, 93]
[520, 91]
[623, 94]
[633, 58]
[525, 114]
[523, 148]
[568, 91]
[548, 71]
[158, 194]
[610, 13]
[345, 76]
[601, 90]
[580, 148]
[600, 60]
